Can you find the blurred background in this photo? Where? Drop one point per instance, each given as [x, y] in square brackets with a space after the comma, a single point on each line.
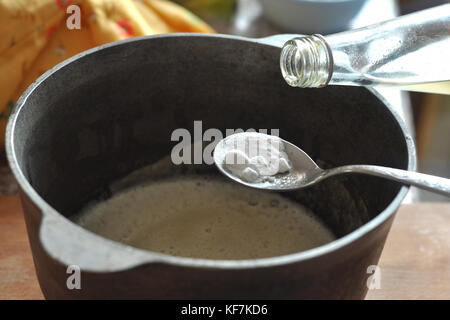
[427, 115]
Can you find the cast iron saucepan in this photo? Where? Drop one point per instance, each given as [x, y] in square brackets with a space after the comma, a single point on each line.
[107, 112]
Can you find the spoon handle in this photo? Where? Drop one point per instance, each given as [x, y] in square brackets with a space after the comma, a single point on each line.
[421, 180]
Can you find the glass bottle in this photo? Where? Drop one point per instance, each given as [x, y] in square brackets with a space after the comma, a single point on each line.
[411, 52]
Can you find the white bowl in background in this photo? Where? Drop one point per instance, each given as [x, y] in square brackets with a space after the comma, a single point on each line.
[312, 16]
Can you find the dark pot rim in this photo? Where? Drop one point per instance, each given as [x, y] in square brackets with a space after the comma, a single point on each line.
[118, 256]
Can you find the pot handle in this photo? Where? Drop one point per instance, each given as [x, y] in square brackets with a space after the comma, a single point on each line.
[70, 244]
[278, 40]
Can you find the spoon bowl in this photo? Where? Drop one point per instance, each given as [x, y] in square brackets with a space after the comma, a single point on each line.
[286, 181]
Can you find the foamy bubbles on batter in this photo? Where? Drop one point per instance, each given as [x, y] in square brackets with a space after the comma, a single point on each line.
[203, 217]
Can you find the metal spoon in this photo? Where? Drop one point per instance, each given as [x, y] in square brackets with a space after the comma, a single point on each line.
[305, 172]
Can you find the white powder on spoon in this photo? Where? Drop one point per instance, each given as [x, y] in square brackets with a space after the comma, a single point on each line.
[253, 157]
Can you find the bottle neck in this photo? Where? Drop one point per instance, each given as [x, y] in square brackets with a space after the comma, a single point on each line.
[307, 62]
[405, 52]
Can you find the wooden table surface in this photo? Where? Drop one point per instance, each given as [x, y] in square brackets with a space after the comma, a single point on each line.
[415, 263]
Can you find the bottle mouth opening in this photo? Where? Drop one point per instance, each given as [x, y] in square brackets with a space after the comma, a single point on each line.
[306, 62]
[287, 64]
